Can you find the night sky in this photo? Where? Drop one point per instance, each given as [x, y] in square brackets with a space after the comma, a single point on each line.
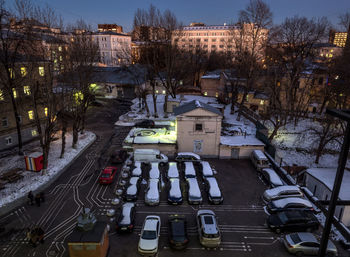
[208, 11]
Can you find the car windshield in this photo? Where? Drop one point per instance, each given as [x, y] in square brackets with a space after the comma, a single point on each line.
[295, 237]
[208, 220]
[178, 229]
[105, 175]
[149, 234]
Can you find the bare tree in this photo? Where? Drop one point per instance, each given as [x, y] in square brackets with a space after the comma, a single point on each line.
[250, 37]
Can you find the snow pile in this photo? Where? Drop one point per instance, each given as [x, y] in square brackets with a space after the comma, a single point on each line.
[33, 180]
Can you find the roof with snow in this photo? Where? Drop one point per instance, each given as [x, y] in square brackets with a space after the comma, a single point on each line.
[194, 105]
[240, 141]
[327, 176]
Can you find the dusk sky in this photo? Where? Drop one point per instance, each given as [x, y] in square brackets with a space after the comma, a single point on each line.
[207, 11]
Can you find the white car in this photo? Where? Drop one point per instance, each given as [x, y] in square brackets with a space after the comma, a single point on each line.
[149, 238]
[154, 172]
[152, 192]
[187, 157]
[173, 172]
[190, 172]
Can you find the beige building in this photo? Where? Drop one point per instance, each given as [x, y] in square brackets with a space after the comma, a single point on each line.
[198, 128]
[219, 38]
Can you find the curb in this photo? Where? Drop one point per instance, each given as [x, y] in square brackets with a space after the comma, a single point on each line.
[22, 200]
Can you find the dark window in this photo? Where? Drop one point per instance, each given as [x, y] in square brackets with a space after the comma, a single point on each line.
[199, 127]
[320, 81]
[4, 122]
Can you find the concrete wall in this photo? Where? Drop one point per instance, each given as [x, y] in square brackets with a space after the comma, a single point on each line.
[244, 151]
[209, 137]
[322, 192]
[210, 87]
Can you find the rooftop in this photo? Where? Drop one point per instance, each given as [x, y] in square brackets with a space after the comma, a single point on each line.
[194, 105]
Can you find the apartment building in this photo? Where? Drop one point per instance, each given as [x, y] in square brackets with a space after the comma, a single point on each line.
[109, 27]
[338, 38]
[219, 38]
[115, 48]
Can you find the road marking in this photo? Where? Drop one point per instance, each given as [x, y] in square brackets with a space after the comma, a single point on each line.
[257, 237]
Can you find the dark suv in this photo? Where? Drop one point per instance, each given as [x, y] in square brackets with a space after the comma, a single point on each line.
[295, 220]
[118, 156]
[178, 232]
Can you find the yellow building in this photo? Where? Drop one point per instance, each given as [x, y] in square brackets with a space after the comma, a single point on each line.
[338, 38]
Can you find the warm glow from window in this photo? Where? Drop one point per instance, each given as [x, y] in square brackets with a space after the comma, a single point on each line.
[60, 48]
[157, 91]
[41, 71]
[23, 71]
[216, 94]
[14, 93]
[1, 95]
[278, 83]
[163, 92]
[31, 115]
[12, 75]
[46, 111]
[26, 90]
[34, 133]
[330, 55]
[262, 102]
[205, 93]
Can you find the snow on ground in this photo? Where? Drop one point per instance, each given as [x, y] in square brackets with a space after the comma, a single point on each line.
[33, 180]
[240, 127]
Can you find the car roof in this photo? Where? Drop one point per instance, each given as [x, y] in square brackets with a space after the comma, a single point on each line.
[190, 154]
[277, 190]
[109, 169]
[150, 223]
[214, 189]
[283, 202]
[209, 224]
[307, 237]
[126, 210]
[259, 154]
[274, 178]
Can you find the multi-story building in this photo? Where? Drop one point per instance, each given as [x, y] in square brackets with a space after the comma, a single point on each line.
[219, 38]
[110, 27]
[115, 48]
[326, 51]
[338, 38]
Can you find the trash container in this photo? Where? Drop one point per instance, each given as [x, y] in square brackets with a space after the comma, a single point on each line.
[34, 161]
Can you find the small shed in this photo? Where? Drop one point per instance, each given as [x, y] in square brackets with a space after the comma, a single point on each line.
[91, 243]
[320, 182]
[239, 147]
[34, 161]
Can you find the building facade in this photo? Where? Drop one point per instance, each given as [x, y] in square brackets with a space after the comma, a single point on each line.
[198, 128]
[219, 38]
[115, 48]
[109, 27]
[338, 38]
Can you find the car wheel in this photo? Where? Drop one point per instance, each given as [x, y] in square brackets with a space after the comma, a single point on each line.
[278, 230]
[299, 254]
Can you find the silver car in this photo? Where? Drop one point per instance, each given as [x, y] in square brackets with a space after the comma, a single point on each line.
[304, 243]
[208, 230]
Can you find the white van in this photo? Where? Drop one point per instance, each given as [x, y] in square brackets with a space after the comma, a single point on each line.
[259, 160]
[150, 155]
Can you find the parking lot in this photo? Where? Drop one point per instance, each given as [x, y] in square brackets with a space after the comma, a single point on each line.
[241, 217]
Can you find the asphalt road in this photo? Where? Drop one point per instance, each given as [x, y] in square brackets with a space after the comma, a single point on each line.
[241, 217]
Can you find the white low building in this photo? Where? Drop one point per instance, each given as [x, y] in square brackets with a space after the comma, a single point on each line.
[320, 182]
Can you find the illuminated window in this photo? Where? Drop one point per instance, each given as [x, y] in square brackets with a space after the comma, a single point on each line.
[60, 48]
[262, 102]
[23, 71]
[247, 98]
[46, 111]
[205, 93]
[26, 90]
[332, 50]
[14, 93]
[163, 92]
[216, 94]
[61, 58]
[1, 95]
[330, 55]
[12, 74]
[34, 133]
[41, 71]
[157, 91]
[278, 83]
[31, 115]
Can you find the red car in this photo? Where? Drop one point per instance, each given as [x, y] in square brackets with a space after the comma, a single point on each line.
[108, 175]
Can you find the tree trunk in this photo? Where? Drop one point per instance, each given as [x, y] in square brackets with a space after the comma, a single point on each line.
[274, 132]
[241, 105]
[75, 134]
[319, 151]
[154, 96]
[165, 105]
[63, 137]
[18, 126]
[146, 106]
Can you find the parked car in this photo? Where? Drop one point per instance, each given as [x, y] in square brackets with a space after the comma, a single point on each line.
[282, 192]
[213, 190]
[208, 230]
[189, 170]
[132, 190]
[270, 177]
[136, 172]
[150, 155]
[194, 195]
[107, 175]
[174, 195]
[206, 169]
[304, 243]
[145, 124]
[154, 172]
[152, 192]
[149, 238]
[178, 232]
[187, 157]
[295, 220]
[173, 172]
[118, 156]
[291, 203]
[125, 222]
[259, 160]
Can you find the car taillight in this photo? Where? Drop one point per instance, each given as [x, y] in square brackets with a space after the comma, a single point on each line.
[289, 245]
[131, 226]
